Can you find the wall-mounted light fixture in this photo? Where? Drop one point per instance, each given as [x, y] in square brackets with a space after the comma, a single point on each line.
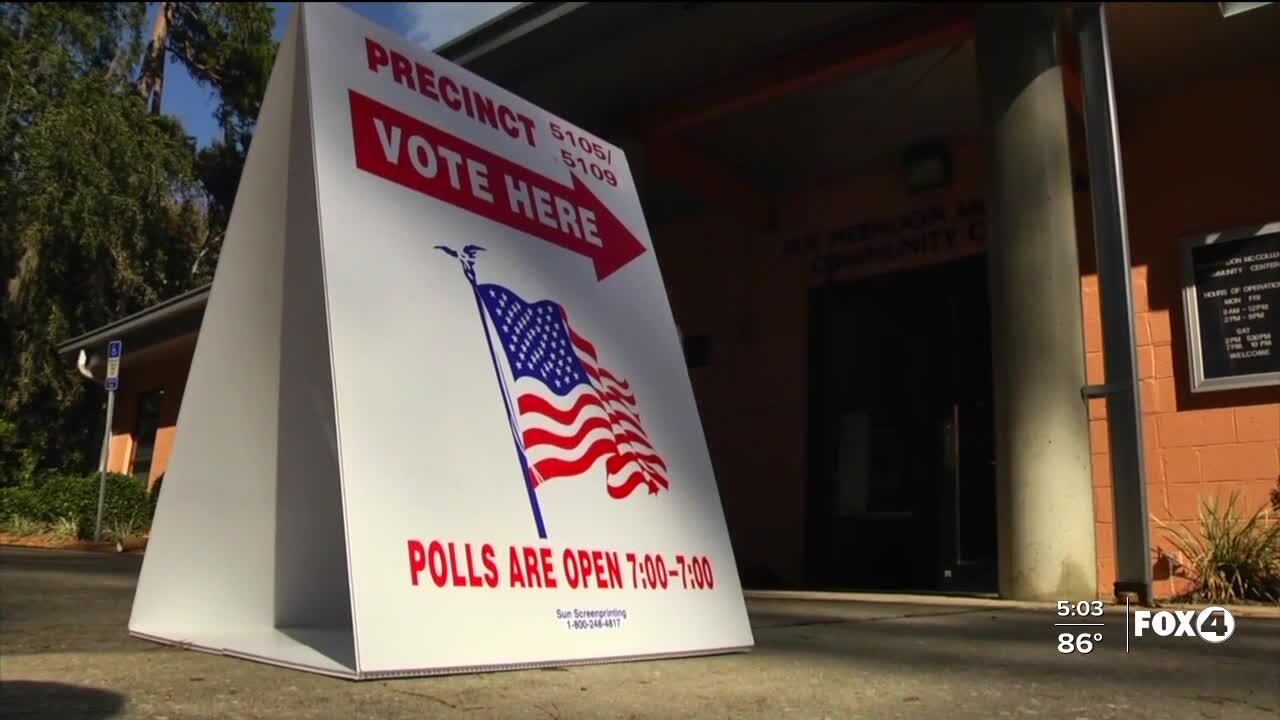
[927, 166]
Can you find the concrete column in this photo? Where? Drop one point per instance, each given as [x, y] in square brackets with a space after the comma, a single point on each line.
[1044, 485]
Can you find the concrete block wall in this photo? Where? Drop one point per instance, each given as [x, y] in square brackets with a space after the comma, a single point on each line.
[1198, 158]
[1191, 455]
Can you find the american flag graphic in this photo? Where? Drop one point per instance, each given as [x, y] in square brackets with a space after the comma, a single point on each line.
[571, 411]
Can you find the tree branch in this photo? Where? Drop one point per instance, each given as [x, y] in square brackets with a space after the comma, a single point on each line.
[188, 56]
[151, 79]
[209, 244]
[8, 99]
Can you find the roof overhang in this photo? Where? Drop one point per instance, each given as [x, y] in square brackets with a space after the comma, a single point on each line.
[631, 72]
[499, 33]
[603, 65]
[159, 324]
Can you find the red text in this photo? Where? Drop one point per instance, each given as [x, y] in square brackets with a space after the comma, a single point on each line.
[449, 565]
[531, 567]
[455, 95]
[592, 569]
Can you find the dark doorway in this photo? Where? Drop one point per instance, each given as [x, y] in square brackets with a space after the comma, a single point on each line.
[901, 438]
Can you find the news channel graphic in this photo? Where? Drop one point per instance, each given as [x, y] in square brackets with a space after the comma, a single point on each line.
[1082, 626]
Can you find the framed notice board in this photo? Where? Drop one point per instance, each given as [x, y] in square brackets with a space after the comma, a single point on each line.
[1231, 302]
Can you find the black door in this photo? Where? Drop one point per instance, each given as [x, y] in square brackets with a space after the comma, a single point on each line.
[967, 548]
[899, 382]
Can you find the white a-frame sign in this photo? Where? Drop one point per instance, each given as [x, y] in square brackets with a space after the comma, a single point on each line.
[438, 418]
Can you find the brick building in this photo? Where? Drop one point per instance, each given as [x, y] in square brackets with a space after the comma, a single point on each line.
[886, 276]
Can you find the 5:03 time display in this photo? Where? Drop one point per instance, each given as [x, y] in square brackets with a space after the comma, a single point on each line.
[1082, 608]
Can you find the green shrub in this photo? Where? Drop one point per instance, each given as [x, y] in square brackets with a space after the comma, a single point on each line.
[1232, 558]
[76, 497]
[21, 501]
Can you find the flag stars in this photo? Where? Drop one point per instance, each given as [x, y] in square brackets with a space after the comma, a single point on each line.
[537, 342]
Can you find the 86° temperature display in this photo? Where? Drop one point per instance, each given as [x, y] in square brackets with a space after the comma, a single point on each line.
[1081, 626]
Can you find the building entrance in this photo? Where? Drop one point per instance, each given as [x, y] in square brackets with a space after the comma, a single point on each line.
[901, 438]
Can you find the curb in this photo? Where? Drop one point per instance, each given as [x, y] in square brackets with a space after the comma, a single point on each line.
[108, 551]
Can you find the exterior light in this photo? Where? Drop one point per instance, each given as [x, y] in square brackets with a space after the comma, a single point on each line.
[1229, 9]
[927, 167]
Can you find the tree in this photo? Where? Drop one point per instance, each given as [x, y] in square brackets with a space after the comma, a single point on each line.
[227, 47]
[102, 206]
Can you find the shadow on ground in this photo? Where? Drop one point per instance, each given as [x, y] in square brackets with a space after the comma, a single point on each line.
[21, 699]
[64, 617]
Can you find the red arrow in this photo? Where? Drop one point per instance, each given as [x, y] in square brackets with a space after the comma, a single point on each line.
[409, 152]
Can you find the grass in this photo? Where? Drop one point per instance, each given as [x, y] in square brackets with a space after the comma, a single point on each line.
[121, 528]
[1234, 558]
[67, 528]
[23, 526]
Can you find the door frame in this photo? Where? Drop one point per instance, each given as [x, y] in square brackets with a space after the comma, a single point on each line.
[821, 301]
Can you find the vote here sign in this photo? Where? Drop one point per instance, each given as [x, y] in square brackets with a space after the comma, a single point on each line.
[438, 419]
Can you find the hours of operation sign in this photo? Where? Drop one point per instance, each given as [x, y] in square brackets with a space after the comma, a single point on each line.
[1232, 301]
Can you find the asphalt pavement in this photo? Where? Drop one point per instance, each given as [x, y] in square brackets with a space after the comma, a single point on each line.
[65, 653]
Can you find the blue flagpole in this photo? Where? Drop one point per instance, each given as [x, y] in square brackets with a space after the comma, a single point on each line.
[469, 270]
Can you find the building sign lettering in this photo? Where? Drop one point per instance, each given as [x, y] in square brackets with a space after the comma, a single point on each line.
[935, 231]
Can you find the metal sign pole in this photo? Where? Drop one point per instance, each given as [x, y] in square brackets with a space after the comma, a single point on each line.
[114, 351]
[1111, 241]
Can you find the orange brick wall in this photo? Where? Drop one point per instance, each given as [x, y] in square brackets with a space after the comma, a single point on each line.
[1197, 159]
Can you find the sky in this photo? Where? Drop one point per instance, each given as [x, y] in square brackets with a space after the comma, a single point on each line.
[430, 24]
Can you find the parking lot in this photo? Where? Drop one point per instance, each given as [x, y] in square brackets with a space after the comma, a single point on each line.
[65, 653]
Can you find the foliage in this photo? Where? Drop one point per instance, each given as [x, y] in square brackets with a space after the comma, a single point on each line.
[1232, 558]
[74, 499]
[22, 525]
[20, 500]
[122, 527]
[76, 496]
[104, 207]
[227, 47]
[67, 528]
[18, 462]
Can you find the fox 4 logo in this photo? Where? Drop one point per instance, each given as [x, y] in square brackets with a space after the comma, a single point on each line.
[1212, 624]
